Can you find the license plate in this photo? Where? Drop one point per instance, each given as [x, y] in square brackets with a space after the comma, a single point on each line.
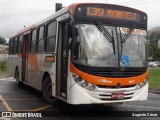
[117, 95]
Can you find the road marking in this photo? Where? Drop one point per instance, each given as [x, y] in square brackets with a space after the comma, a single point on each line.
[11, 78]
[14, 91]
[2, 118]
[41, 108]
[5, 103]
[35, 110]
[24, 99]
[149, 107]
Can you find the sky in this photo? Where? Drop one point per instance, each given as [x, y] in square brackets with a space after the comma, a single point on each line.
[15, 14]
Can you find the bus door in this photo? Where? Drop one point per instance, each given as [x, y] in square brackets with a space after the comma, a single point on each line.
[25, 46]
[62, 61]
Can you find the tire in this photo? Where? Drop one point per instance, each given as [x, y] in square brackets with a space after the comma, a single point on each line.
[17, 77]
[47, 91]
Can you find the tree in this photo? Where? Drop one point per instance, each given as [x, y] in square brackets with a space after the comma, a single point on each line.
[2, 40]
[154, 51]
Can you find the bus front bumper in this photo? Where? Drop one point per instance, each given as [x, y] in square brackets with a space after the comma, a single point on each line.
[80, 95]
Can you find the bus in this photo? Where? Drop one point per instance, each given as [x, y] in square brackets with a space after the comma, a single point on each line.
[86, 53]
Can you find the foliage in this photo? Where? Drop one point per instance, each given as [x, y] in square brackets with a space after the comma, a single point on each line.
[3, 66]
[154, 78]
[154, 51]
[2, 40]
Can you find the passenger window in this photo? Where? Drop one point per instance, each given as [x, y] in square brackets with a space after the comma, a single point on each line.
[10, 46]
[20, 44]
[41, 32]
[33, 41]
[15, 45]
[40, 42]
[51, 36]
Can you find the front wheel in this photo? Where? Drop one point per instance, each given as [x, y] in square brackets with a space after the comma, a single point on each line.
[47, 91]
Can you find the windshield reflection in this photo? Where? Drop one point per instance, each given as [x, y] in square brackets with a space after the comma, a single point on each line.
[91, 48]
[133, 50]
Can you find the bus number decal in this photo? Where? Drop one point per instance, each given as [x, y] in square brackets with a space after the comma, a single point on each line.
[93, 11]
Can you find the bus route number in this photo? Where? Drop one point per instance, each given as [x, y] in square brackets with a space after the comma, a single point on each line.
[93, 11]
[111, 13]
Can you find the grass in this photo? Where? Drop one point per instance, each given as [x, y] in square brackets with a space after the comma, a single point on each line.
[3, 66]
[154, 78]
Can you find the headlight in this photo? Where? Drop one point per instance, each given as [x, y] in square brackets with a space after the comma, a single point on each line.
[83, 83]
[76, 78]
[92, 87]
[142, 84]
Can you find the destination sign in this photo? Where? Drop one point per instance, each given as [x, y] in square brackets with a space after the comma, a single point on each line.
[108, 12]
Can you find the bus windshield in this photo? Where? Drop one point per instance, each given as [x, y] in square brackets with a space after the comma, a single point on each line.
[91, 47]
[133, 49]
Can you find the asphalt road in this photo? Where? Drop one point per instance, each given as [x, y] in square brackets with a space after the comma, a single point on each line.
[19, 99]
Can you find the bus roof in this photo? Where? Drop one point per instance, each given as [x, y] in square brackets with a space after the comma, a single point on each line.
[73, 6]
[72, 9]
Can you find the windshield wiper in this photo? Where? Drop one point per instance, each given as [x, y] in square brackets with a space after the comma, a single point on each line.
[106, 34]
[127, 35]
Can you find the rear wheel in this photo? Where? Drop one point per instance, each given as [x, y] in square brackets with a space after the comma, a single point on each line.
[47, 91]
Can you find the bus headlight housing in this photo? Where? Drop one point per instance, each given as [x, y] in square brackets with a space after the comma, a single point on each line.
[83, 83]
[142, 84]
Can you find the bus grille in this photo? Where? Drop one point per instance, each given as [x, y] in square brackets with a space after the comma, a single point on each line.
[115, 72]
[126, 86]
[106, 94]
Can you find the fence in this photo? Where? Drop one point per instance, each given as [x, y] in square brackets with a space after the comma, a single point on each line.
[3, 57]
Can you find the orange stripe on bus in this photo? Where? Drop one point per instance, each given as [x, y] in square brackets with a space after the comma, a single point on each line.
[75, 70]
[32, 61]
[20, 55]
[98, 80]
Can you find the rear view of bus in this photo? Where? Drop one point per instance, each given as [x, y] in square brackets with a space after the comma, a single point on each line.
[109, 55]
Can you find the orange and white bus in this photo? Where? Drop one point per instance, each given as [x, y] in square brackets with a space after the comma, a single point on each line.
[86, 53]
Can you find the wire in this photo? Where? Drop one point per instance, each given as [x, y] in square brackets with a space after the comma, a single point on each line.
[138, 3]
[21, 2]
[24, 10]
[129, 2]
[28, 12]
[15, 15]
[143, 3]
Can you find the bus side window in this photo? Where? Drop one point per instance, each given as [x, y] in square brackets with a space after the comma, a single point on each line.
[33, 41]
[13, 42]
[10, 46]
[20, 44]
[16, 45]
[40, 41]
[51, 37]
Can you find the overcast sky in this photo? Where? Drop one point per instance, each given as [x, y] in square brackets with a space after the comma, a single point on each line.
[15, 14]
